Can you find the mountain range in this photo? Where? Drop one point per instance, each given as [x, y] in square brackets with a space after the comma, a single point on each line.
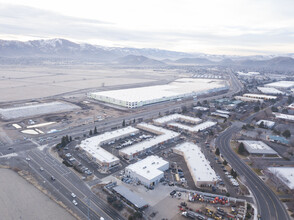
[61, 50]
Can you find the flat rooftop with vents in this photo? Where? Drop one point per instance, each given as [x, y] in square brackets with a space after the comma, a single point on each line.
[148, 171]
[94, 151]
[199, 167]
[258, 148]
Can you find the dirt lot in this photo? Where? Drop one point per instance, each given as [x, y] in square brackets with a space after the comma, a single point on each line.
[28, 82]
[20, 200]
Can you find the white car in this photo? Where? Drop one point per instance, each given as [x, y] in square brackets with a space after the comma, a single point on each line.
[73, 195]
[74, 202]
[28, 159]
[41, 168]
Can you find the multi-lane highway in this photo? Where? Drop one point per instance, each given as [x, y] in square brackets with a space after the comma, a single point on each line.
[268, 204]
[67, 182]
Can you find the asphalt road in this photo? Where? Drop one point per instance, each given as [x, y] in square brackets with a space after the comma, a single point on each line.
[68, 182]
[268, 204]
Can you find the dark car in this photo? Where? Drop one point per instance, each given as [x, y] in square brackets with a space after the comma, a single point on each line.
[173, 192]
[52, 178]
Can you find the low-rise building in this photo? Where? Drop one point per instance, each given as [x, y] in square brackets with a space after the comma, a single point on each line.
[94, 151]
[270, 91]
[260, 96]
[285, 117]
[281, 84]
[148, 171]
[197, 128]
[164, 136]
[130, 197]
[248, 99]
[266, 123]
[176, 117]
[199, 167]
[258, 148]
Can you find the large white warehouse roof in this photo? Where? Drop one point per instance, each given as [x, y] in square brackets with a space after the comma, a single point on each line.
[198, 165]
[270, 90]
[180, 88]
[281, 84]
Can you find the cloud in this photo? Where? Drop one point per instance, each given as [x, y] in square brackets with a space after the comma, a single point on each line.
[18, 20]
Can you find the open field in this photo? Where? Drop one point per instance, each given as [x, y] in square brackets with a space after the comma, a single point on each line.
[29, 82]
[21, 200]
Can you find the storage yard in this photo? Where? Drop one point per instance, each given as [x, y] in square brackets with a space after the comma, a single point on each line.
[179, 89]
[32, 110]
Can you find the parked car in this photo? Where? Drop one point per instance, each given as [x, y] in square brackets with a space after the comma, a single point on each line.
[73, 195]
[74, 202]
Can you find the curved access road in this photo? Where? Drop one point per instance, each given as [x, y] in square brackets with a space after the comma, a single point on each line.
[268, 204]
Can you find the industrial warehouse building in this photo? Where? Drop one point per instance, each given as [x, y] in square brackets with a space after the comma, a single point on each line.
[148, 171]
[164, 136]
[266, 123]
[281, 84]
[176, 117]
[179, 89]
[197, 128]
[131, 197]
[285, 117]
[270, 90]
[94, 151]
[199, 167]
[260, 96]
[258, 148]
[248, 99]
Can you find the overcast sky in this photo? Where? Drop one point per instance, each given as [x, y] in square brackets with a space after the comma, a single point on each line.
[236, 27]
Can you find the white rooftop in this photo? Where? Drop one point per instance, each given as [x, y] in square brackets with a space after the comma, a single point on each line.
[220, 115]
[175, 117]
[285, 174]
[178, 87]
[248, 74]
[149, 167]
[163, 136]
[284, 116]
[251, 95]
[270, 90]
[199, 166]
[258, 147]
[267, 123]
[223, 112]
[196, 128]
[92, 145]
[201, 108]
[281, 84]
